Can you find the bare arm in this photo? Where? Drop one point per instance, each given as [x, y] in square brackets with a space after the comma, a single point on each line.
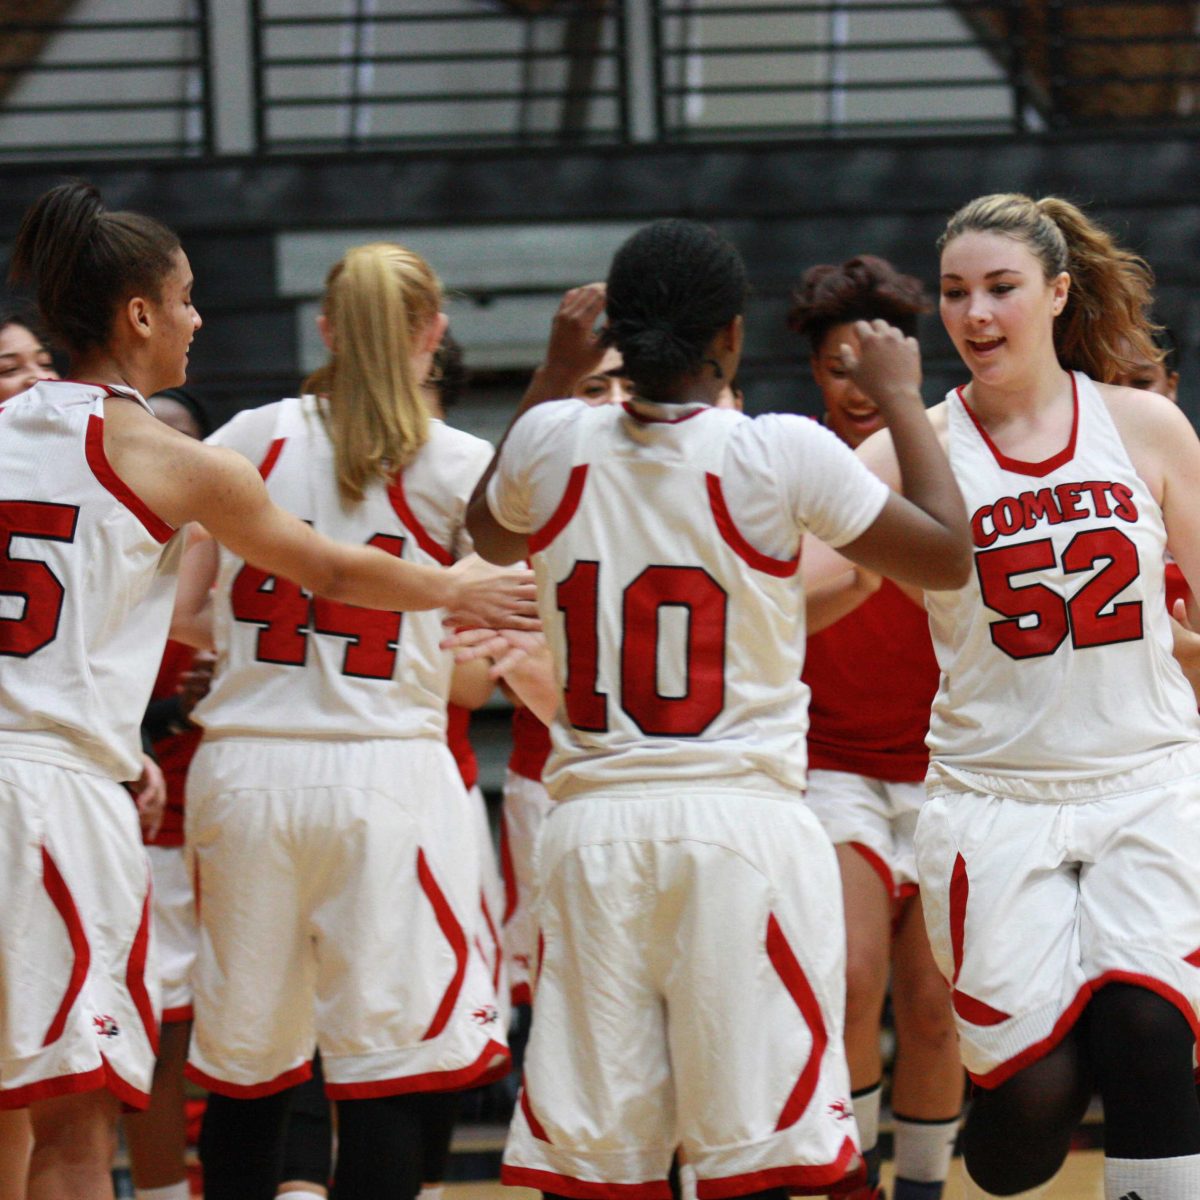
[574, 350]
[191, 621]
[471, 685]
[222, 491]
[921, 536]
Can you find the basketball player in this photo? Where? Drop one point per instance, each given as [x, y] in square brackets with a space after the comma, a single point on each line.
[1057, 849]
[689, 985]
[24, 361]
[94, 491]
[325, 813]
[872, 676]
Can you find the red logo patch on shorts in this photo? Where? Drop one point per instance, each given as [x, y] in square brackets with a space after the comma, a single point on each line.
[842, 1110]
[486, 1015]
[106, 1026]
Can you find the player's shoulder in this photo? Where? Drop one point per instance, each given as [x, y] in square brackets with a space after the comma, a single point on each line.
[545, 424]
[450, 441]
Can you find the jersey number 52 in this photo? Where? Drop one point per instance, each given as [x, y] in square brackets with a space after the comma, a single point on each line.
[1086, 615]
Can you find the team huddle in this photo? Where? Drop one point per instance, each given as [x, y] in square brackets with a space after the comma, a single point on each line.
[981, 787]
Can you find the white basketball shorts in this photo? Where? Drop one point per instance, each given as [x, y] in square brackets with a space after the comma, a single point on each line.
[875, 817]
[338, 888]
[173, 944]
[526, 805]
[78, 1009]
[690, 995]
[491, 907]
[1033, 906]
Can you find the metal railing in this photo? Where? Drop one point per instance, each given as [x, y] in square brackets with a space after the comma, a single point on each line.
[439, 71]
[127, 87]
[341, 75]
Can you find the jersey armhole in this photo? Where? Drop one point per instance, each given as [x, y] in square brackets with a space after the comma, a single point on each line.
[103, 470]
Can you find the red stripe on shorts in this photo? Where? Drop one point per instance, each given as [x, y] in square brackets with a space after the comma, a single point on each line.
[453, 933]
[135, 975]
[535, 1126]
[788, 967]
[60, 896]
[491, 927]
[877, 864]
[508, 870]
[799, 1181]
[582, 1189]
[974, 1011]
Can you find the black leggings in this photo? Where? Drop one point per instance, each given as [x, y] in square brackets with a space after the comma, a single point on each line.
[1129, 1044]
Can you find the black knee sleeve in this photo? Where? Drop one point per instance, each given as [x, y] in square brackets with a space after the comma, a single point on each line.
[1141, 1048]
[240, 1146]
[308, 1139]
[379, 1148]
[1037, 1109]
[439, 1111]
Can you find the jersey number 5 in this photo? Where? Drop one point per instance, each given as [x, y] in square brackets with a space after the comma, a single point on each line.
[654, 589]
[1083, 615]
[33, 583]
[287, 614]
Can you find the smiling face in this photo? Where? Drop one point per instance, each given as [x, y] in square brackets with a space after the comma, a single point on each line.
[23, 360]
[999, 308]
[847, 411]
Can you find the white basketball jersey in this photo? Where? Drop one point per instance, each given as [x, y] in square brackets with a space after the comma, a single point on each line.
[87, 584]
[1056, 656]
[292, 664]
[678, 644]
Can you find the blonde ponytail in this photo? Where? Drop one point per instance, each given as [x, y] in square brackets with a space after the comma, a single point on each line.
[378, 299]
[1104, 329]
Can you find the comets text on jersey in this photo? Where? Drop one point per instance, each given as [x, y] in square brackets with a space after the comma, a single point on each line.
[1052, 506]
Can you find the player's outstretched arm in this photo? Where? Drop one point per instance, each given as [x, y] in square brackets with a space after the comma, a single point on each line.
[223, 491]
[921, 536]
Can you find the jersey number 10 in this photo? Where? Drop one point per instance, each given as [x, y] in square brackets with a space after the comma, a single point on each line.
[655, 588]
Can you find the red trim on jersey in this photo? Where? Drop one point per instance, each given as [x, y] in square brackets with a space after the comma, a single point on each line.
[61, 898]
[530, 745]
[780, 568]
[907, 891]
[458, 738]
[135, 975]
[274, 450]
[249, 1091]
[508, 870]
[521, 993]
[483, 1070]
[877, 864]
[567, 506]
[1007, 1069]
[491, 928]
[535, 1126]
[582, 1189]
[1193, 959]
[646, 419]
[453, 933]
[788, 967]
[409, 520]
[173, 1016]
[1015, 465]
[799, 1181]
[93, 449]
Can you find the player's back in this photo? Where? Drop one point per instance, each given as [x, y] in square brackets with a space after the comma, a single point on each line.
[668, 587]
[294, 665]
[85, 586]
